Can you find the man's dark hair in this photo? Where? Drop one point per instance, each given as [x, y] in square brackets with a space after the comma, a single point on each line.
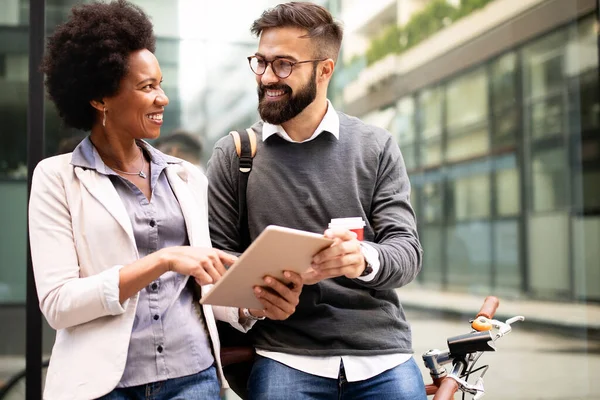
[68, 144]
[325, 32]
[185, 141]
[86, 57]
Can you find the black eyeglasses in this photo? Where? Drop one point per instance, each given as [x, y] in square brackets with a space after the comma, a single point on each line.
[280, 66]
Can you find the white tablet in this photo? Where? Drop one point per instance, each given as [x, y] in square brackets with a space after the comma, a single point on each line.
[275, 250]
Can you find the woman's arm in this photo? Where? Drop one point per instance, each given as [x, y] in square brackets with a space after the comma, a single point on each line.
[66, 298]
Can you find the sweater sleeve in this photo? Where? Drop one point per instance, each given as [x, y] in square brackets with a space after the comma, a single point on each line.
[394, 223]
[223, 199]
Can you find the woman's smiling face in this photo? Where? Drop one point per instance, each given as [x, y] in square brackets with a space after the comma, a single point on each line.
[137, 108]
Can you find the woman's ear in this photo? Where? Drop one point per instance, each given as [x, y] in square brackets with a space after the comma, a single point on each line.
[98, 105]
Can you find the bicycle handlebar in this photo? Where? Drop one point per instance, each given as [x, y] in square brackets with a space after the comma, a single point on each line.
[489, 307]
[444, 387]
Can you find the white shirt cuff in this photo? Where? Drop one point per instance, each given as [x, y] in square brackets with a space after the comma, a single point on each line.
[110, 289]
[372, 258]
[235, 320]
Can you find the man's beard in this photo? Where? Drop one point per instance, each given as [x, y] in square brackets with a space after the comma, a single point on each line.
[280, 111]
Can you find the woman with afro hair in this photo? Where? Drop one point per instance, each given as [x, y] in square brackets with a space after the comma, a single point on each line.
[119, 231]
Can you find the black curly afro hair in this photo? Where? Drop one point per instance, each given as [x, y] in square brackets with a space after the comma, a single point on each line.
[86, 57]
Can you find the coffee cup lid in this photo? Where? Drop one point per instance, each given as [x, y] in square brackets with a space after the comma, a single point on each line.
[348, 223]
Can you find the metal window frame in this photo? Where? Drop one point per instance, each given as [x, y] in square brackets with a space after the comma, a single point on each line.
[35, 153]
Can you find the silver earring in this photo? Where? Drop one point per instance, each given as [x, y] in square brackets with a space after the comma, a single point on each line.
[104, 119]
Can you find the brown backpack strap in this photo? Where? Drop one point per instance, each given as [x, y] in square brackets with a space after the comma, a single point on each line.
[237, 140]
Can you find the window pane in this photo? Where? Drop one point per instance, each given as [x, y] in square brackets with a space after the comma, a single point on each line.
[582, 69]
[14, 67]
[543, 66]
[409, 155]
[549, 190]
[469, 255]
[506, 250]
[549, 253]
[505, 128]
[503, 81]
[431, 239]
[508, 192]
[584, 104]
[582, 48]
[430, 102]
[403, 124]
[586, 236]
[507, 185]
[467, 100]
[545, 118]
[468, 145]
[13, 115]
[381, 118]
[432, 198]
[431, 153]
[591, 190]
[470, 197]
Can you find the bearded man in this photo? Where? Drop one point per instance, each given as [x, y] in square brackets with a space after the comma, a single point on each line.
[348, 338]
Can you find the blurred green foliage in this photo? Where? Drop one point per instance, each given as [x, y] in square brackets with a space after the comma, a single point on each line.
[434, 17]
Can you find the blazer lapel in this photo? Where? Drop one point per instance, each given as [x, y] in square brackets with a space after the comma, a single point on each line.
[103, 190]
[177, 177]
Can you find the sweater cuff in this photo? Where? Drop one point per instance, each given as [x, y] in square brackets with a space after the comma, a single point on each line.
[110, 289]
[372, 258]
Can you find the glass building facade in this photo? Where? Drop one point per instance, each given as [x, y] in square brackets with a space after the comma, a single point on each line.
[503, 156]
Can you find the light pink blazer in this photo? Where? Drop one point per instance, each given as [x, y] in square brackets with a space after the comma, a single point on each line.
[80, 234]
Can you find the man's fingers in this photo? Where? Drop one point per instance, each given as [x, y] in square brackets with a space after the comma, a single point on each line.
[343, 234]
[352, 259]
[295, 279]
[271, 309]
[279, 288]
[351, 271]
[337, 250]
[311, 277]
[272, 301]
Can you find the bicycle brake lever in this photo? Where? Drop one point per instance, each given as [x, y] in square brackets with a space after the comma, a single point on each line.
[512, 320]
[505, 327]
[476, 389]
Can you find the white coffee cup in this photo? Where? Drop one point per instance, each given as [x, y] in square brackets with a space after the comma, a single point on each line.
[354, 224]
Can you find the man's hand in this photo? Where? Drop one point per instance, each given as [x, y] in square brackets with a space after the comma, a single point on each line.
[343, 258]
[279, 300]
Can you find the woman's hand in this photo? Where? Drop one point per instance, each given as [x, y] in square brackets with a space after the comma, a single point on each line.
[279, 299]
[206, 265]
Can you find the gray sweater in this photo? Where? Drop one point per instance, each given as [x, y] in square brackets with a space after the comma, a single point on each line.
[303, 186]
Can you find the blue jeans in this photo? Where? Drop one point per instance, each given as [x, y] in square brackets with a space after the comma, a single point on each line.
[200, 386]
[271, 380]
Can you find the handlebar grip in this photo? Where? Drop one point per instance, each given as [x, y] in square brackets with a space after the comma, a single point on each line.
[446, 390]
[489, 307]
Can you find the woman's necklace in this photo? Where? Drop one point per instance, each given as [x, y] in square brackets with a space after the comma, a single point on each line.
[140, 173]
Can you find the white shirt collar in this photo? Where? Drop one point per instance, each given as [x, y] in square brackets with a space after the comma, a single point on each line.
[330, 123]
